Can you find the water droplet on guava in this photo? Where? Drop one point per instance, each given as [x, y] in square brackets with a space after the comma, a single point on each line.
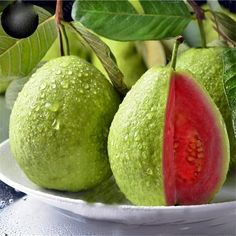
[54, 107]
[64, 84]
[43, 86]
[149, 171]
[56, 124]
[86, 86]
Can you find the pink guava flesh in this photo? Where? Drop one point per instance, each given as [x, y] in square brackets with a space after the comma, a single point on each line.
[193, 153]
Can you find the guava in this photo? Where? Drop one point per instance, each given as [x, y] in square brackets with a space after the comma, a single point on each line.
[128, 59]
[207, 67]
[168, 144]
[153, 53]
[59, 125]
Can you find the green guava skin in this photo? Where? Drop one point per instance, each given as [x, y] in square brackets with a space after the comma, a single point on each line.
[136, 138]
[135, 141]
[129, 61]
[59, 125]
[206, 65]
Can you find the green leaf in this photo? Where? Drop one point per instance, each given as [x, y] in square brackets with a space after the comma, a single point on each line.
[19, 56]
[119, 20]
[225, 25]
[104, 54]
[229, 58]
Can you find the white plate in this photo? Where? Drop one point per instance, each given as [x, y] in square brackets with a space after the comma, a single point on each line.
[222, 212]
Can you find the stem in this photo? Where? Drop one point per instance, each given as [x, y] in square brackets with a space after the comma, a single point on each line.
[66, 40]
[58, 18]
[202, 33]
[62, 52]
[178, 41]
[58, 14]
[200, 15]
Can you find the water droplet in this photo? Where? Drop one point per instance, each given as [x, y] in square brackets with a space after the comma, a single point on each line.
[86, 86]
[42, 95]
[47, 104]
[10, 201]
[2, 204]
[70, 72]
[58, 72]
[149, 116]
[52, 106]
[64, 84]
[43, 86]
[149, 171]
[56, 124]
[65, 64]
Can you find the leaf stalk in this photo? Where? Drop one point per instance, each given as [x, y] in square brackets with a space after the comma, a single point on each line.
[178, 41]
[200, 15]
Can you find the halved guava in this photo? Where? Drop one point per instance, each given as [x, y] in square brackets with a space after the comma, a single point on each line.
[168, 144]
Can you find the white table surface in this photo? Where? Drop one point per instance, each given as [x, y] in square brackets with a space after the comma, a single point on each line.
[28, 216]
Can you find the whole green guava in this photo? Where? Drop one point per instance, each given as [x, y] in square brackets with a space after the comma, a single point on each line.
[59, 125]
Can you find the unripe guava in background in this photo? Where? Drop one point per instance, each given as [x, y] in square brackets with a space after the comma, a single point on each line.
[206, 64]
[128, 59]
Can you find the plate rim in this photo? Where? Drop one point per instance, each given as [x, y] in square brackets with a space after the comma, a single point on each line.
[41, 195]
